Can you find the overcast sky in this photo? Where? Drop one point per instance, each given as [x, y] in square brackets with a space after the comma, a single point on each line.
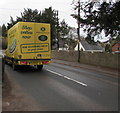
[15, 7]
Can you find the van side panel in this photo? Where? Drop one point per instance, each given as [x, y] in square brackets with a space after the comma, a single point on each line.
[12, 47]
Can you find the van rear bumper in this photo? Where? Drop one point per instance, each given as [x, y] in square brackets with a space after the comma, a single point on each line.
[32, 59]
[28, 61]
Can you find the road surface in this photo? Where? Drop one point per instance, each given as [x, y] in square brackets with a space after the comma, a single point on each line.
[63, 88]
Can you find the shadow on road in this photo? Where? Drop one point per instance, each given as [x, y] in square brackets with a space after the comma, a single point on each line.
[26, 69]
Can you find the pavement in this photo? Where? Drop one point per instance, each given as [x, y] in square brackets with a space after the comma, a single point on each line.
[110, 71]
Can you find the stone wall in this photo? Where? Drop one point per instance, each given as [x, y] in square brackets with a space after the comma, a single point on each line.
[99, 59]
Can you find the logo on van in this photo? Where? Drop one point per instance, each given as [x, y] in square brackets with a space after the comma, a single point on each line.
[42, 38]
[43, 28]
[13, 46]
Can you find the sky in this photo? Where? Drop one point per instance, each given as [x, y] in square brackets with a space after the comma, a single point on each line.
[15, 7]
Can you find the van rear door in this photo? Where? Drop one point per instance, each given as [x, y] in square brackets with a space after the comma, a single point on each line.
[42, 40]
[27, 40]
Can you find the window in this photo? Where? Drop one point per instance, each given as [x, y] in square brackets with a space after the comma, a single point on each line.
[118, 48]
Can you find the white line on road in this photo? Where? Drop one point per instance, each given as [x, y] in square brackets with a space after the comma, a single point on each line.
[81, 83]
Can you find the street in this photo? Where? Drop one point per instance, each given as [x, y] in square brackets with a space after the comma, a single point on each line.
[64, 88]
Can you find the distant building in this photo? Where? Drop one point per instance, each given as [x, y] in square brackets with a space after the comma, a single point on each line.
[63, 44]
[85, 46]
[73, 33]
[116, 48]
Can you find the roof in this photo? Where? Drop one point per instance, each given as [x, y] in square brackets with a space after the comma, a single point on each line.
[117, 43]
[88, 46]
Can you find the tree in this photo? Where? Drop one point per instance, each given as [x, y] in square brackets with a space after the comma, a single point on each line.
[28, 15]
[64, 28]
[4, 31]
[115, 40]
[71, 43]
[97, 17]
[108, 48]
[11, 23]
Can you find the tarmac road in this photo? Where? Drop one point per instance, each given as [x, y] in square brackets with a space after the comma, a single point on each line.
[64, 88]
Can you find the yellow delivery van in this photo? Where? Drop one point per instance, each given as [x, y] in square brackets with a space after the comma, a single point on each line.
[29, 44]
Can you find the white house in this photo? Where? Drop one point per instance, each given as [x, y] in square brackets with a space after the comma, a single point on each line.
[85, 46]
[63, 44]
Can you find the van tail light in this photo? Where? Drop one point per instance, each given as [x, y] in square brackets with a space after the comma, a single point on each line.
[44, 62]
[23, 62]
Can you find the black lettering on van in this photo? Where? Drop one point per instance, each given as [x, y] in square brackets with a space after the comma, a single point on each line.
[26, 36]
[26, 32]
[26, 27]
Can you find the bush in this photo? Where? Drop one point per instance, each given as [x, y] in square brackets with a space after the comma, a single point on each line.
[108, 48]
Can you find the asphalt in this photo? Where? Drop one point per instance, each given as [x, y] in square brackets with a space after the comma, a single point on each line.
[110, 71]
[62, 88]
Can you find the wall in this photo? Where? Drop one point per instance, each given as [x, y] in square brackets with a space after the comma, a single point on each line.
[98, 59]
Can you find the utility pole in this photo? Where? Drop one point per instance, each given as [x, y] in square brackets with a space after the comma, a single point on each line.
[78, 30]
[57, 30]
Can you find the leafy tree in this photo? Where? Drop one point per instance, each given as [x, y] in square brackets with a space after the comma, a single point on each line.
[28, 15]
[90, 39]
[108, 48]
[64, 28]
[12, 23]
[71, 43]
[115, 40]
[98, 17]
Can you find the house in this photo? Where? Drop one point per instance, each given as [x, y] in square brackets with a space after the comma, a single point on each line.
[116, 48]
[63, 44]
[85, 46]
[73, 33]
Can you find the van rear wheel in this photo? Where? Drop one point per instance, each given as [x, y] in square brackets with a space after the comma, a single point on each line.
[39, 67]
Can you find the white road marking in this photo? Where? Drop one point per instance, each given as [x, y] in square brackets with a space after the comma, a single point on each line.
[81, 83]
